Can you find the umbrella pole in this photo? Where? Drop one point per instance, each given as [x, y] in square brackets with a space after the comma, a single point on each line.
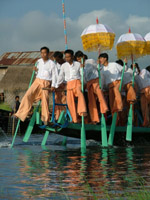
[16, 131]
[130, 115]
[83, 133]
[114, 119]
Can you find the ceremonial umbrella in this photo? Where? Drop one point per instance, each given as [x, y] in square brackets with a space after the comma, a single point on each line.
[131, 46]
[98, 37]
[147, 39]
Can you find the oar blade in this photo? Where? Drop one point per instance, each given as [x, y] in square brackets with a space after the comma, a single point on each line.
[103, 131]
[45, 138]
[18, 124]
[112, 130]
[129, 125]
[30, 127]
[83, 137]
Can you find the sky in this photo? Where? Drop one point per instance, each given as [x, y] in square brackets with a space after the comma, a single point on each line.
[26, 25]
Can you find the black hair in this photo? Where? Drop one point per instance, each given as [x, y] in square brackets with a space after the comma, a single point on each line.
[85, 57]
[69, 51]
[137, 66]
[120, 62]
[103, 55]
[17, 97]
[79, 54]
[58, 54]
[46, 48]
[148, 68]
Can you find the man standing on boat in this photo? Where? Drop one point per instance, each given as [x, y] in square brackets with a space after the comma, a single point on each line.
[70, 72]
[60, 97]
[91, 79]
[112, 76]
[142, 80]
[129, 90]
[45, 78]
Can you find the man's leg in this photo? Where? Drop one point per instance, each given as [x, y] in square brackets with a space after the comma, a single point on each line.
[92, 106]
[81, 108]
[27, 101]
[101, 99]
[71, 105]
[144, 109]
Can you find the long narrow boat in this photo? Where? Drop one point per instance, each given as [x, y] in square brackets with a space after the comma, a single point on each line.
[66, 128]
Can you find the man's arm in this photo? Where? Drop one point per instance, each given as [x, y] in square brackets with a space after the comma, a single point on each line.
[35, 69]
[61, 77]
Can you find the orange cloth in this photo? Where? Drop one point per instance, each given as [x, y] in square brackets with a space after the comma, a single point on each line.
[34, 94]
[115, 100]
[131, 95]
[60, 98]
[74, 90]
[94, 89]
[145, 105]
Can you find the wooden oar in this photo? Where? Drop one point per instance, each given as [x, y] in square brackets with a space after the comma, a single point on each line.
[18, 124]
[113, 124]
[83, 134]
[130, 116]
[31, 124]
[103, 122]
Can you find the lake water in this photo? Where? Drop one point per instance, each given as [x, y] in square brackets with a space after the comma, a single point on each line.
[29, 171]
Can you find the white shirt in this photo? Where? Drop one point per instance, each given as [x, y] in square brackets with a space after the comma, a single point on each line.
[112, 72]
[58, 67]
[143, 79]
[47, 71]
[128, 76]
[90, 70]
[69, 72]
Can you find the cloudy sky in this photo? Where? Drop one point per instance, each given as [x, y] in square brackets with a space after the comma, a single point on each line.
[26, 25]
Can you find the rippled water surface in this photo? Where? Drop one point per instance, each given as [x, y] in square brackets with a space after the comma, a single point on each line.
[29, 171]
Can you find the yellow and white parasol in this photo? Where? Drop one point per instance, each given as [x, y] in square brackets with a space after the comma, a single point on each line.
[130, 45]
[97, 36]
[147, 39]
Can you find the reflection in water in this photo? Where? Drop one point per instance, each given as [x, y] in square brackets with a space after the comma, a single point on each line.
[63, 174]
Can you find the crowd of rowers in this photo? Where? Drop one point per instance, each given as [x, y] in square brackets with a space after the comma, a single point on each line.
[64, 74]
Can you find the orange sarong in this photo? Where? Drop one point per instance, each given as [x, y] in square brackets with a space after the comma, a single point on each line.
[60, 98]
[34, 94]
[145, 105]
[94, 89]
[131, 95]
[74, 90]
[115, 100]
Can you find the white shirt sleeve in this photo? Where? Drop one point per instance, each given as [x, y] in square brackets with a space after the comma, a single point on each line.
[54, 75]
[61, 77]
[143, 73]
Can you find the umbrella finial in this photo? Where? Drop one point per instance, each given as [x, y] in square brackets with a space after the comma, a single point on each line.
[129, 30]
[97, 21]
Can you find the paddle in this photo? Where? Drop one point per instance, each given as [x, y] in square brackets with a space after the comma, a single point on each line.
[83, 134]
[31, 80]
[113, 124]
[103, 122]
[31, 124]
[130, 116]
